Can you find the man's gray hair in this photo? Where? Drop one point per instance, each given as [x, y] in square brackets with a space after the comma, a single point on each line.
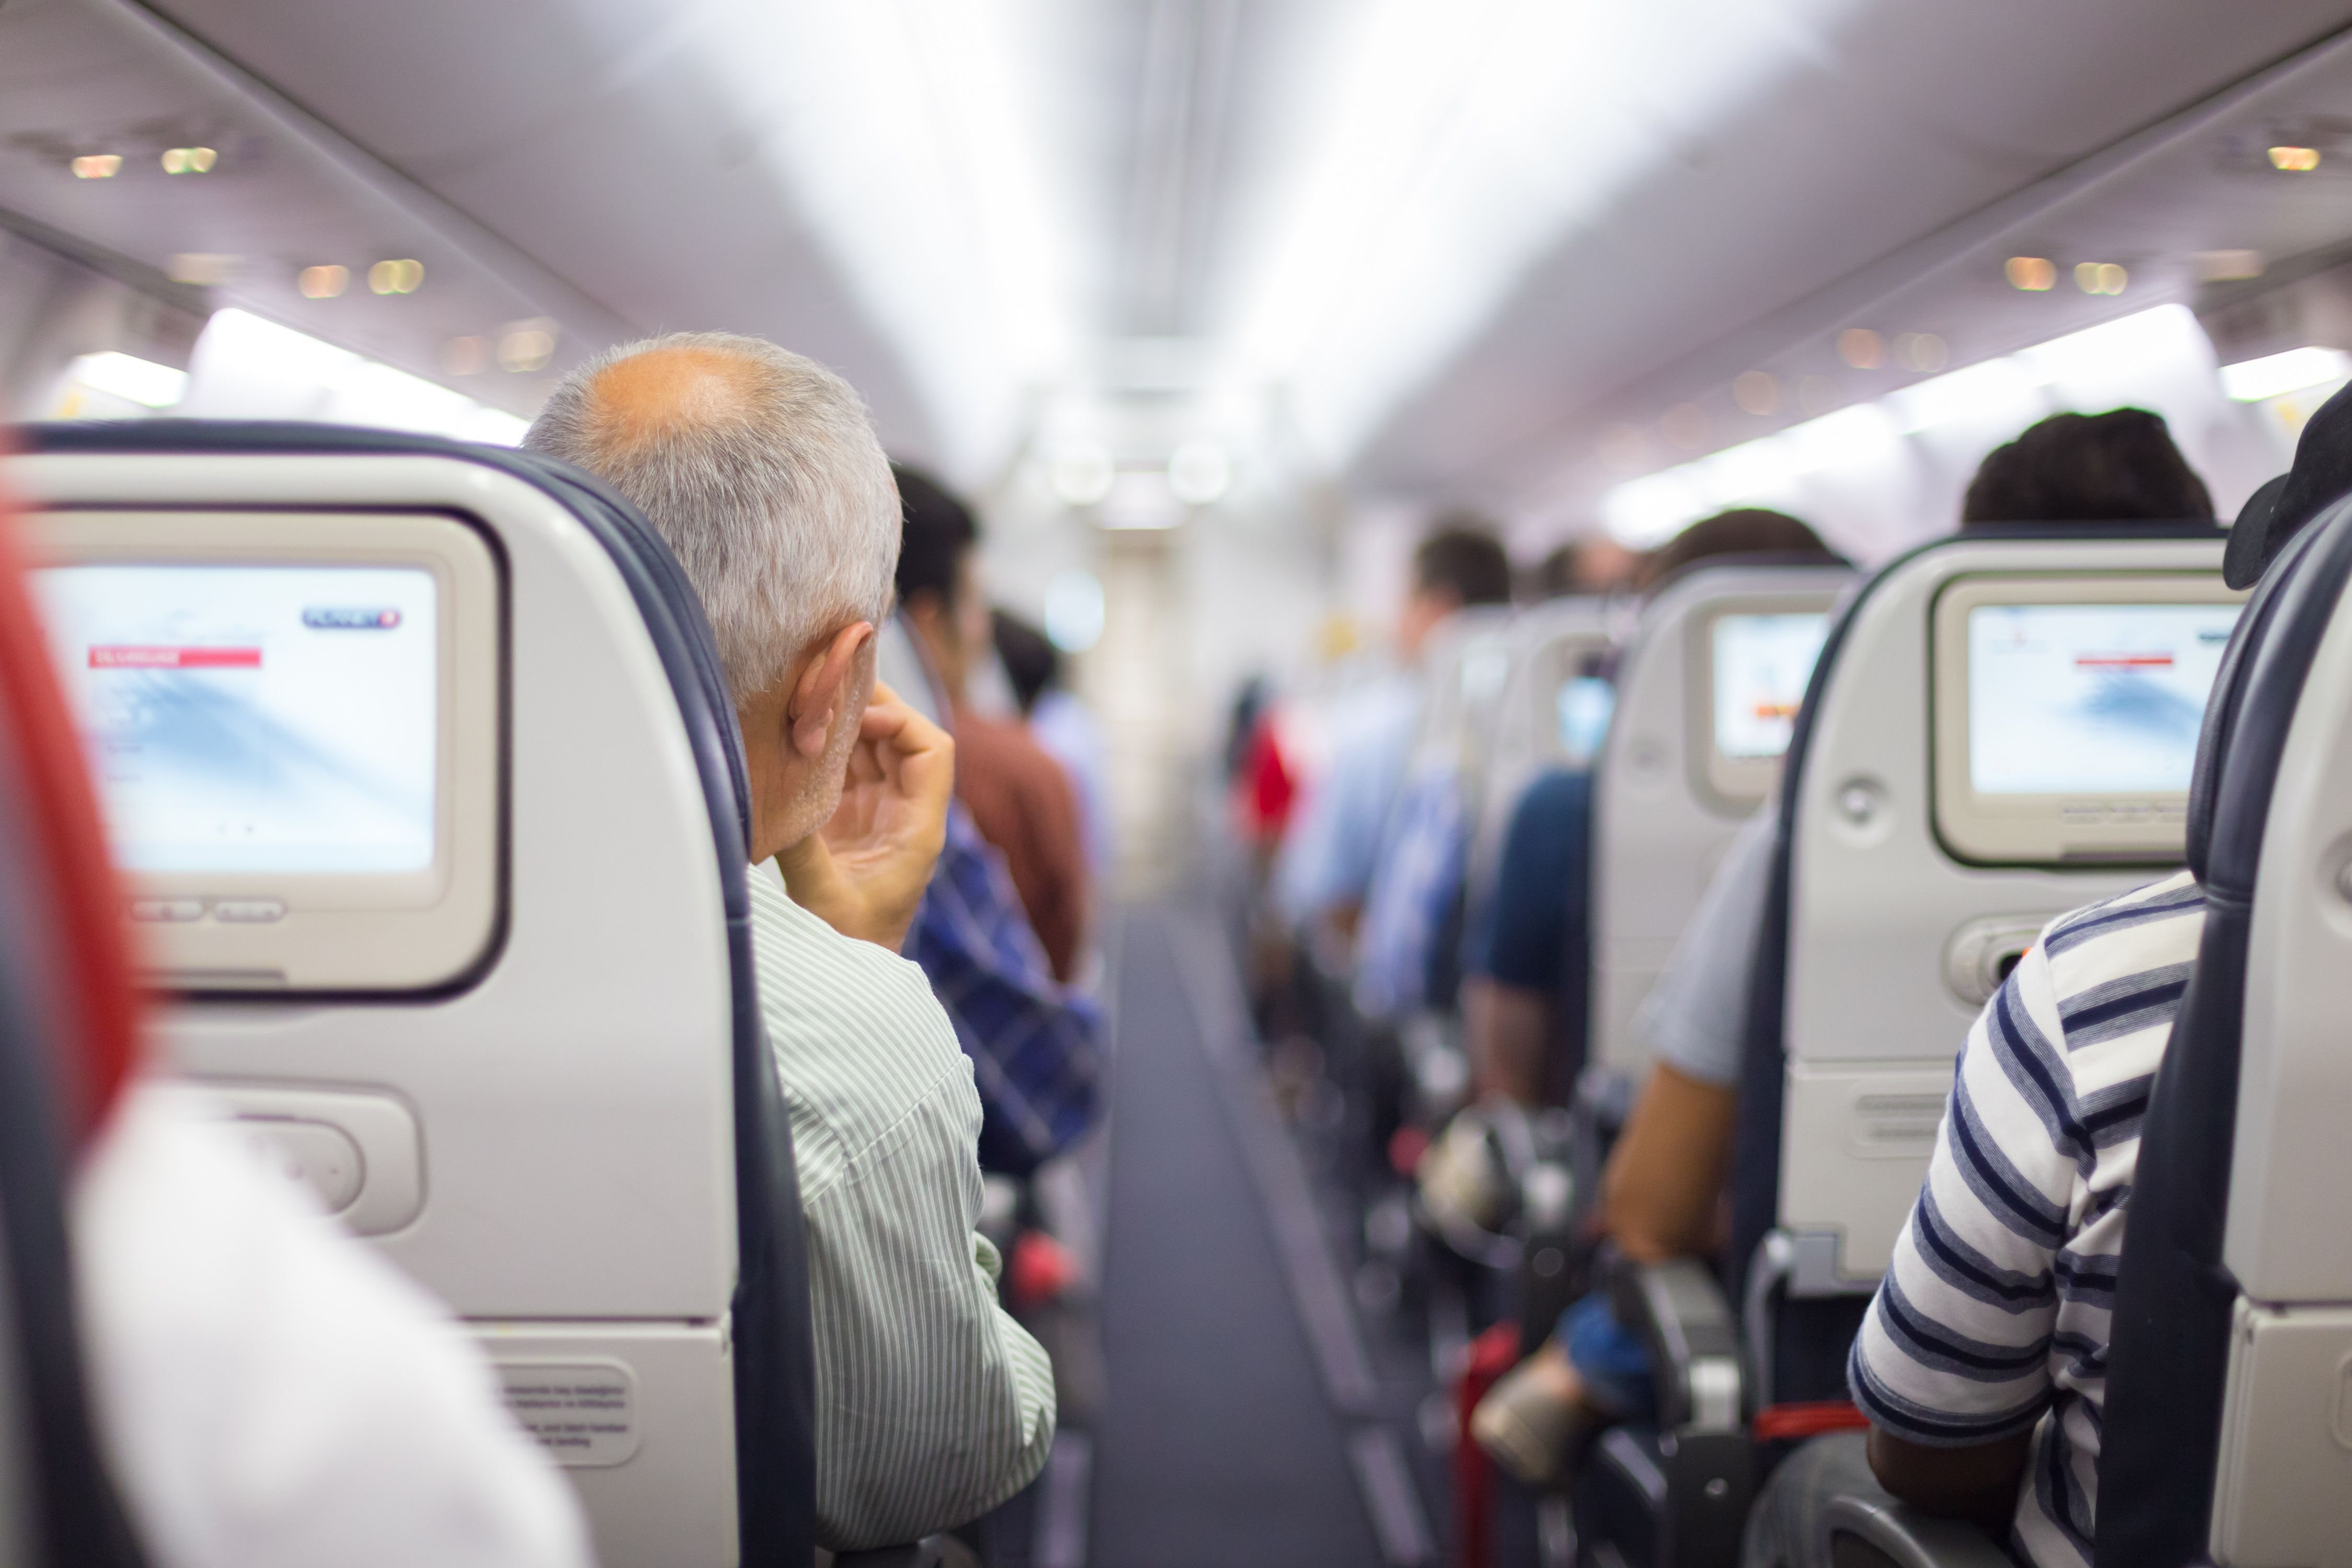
[766, 480]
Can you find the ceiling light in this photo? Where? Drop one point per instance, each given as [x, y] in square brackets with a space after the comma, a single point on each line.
[1083, 475]
[96, 165]
[203, 268]
[396, 276]
[140, 381]
[1757, 391]
[1851, 437]
[2034, 274]
[1199, 473]
[2294, 160]
[1862, 348]
[189, 160]
[1920, 352]
[2100, 277]
[1754, 473]
[1073, 611]
[2251, 381]
[526, 346]
[1139, 499]
[322, 283]
[2227, 266]
[1650, 510]
[1686, 426]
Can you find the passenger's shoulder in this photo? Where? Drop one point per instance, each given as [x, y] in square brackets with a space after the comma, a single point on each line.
[2151, 927]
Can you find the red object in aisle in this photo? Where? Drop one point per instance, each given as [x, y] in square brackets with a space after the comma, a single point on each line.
[1492, 1354]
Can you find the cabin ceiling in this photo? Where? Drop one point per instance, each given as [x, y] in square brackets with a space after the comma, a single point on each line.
[1441, 247]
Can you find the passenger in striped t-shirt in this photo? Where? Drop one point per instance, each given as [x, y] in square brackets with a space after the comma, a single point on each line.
[1982, 1365]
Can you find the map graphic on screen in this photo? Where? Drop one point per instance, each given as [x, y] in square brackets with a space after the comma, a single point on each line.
[2089, 699]
[254, 719]
[1761, 666]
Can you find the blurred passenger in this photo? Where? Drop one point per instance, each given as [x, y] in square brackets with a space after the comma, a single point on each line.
[1332, 849]
[1664, 1185]
[761, 471]
[1527, 970]
[1022, 800]
[1595, 564]
[1064, 725]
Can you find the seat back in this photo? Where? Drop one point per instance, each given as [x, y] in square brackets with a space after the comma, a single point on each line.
[2226, 1429]
[1943, 803]
[569, 1131]
[1553, 711]
[66, 1046]
[1667, 797]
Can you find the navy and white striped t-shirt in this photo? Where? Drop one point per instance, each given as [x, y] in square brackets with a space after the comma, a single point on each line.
[1994, 1318]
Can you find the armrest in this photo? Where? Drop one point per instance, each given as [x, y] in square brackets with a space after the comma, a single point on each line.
[1903, 1537]
[1684, 1316]
[928, 1553]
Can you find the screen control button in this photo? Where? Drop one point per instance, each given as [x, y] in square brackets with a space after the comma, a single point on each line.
[310, 1151]
[167, 908]
[248, 911]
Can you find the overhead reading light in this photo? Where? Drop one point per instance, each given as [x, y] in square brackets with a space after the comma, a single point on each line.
[2034, 274]
[404, 277]
[2227, 266]
[140, 381]
[96, 165]
[2251, 381]
[203, 268]
[1199, 473]
[1862, 348]
[189, 160]
[1757, 391]
[322, 283]
[2294, 160]
[2100, 277]
[526, 346]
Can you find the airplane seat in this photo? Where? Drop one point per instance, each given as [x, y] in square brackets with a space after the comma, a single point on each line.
[67, 1049]
[497, 1008]
[1917, 853]
[2227, 1438]
[1553, 711]
[1691, 753]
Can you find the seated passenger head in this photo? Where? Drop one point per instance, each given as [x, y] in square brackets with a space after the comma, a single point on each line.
[761, 471]
[937, 589]
[1031, 661]
[2117, 466]
[1745, 530]
[2320, 476]
[1458, 563]
[1594, 565]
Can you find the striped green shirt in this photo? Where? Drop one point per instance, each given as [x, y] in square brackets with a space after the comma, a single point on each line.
[932, 1404]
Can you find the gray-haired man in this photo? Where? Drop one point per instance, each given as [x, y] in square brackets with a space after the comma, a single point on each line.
[761, 471]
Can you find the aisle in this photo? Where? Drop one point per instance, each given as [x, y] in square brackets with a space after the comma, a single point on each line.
[1219, 1443]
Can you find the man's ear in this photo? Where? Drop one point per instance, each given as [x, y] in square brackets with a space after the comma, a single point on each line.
[815, 705]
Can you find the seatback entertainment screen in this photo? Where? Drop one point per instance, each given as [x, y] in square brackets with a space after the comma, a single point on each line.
[2091, 699]
[255, 718]
[1762, 663]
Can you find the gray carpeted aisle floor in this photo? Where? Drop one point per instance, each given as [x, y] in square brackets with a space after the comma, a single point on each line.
[1217, 1447]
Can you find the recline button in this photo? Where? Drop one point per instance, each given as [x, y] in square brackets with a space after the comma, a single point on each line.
[248, 911]
[173, 910]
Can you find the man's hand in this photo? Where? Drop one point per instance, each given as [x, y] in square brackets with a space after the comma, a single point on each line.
[1977, 1483]
[865, 872]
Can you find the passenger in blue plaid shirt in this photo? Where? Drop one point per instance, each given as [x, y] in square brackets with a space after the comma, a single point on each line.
[1034, 1044]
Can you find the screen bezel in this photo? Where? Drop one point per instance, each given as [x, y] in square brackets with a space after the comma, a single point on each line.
[1736, 784]
[2146, 827]
[397, 930]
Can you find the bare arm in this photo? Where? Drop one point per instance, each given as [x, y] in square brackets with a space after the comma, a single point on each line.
[1978, 1484]
[1664, 1181]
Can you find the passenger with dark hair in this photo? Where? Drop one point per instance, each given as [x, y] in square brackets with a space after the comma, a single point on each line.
[1595, 564]
[1062, 724]
[1664, 1183]
[2117, 466]
[1018, 796]
[1744, 530]
[1332, 845]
